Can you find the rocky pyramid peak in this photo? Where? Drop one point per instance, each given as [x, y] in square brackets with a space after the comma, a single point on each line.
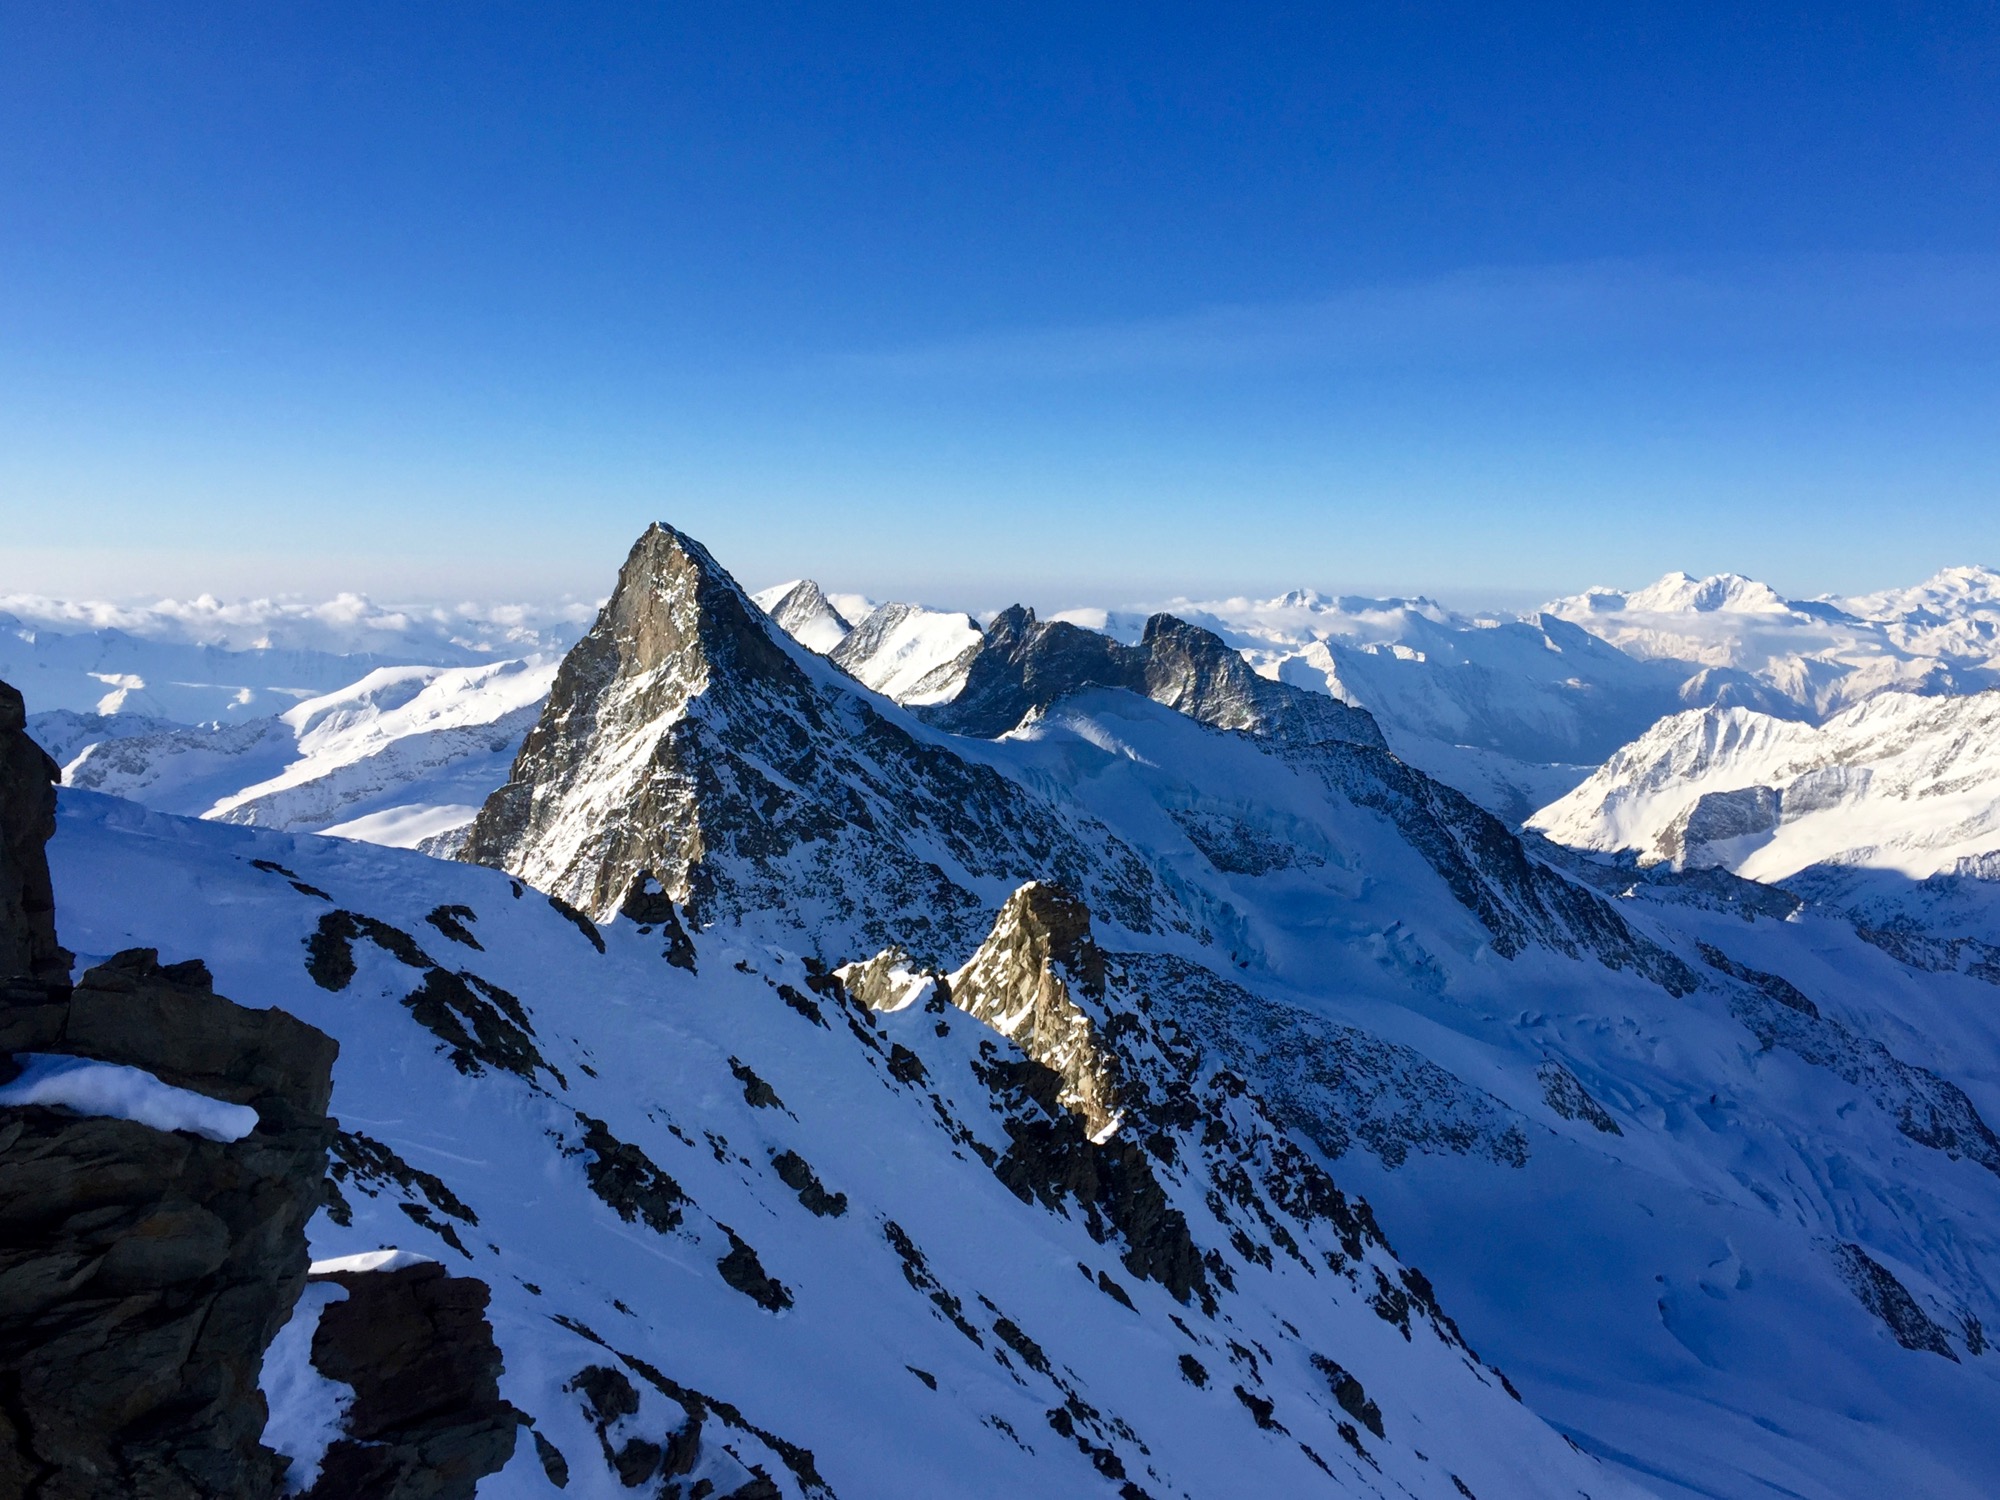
[688, 740]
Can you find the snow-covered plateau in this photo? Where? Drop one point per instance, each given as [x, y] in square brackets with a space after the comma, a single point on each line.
[868, 1049]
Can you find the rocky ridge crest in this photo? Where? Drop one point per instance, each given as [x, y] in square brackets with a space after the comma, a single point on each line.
[686, 738]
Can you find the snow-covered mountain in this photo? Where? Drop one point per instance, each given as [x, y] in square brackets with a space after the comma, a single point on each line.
[739, 1227]
[1748, 647]
[1408, 988]
[1008, 1075]
[402, 755]
[912, 653]
[1900, 782]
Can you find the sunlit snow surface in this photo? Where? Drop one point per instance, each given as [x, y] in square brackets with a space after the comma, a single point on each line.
[1900, 782]
[121, 1093]
[306, 1408]
[649, 1049]
[1668, 1296]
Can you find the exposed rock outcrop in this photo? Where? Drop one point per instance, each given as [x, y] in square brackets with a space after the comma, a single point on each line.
[1025, 664]
[1024, 982]
[145, 1270]
[426, 1421]
[29, 952]
[684, 737]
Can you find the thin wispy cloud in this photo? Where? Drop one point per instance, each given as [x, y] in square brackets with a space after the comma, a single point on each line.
[1490, 314]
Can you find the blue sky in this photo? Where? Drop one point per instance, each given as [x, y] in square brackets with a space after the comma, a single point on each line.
[972, 304]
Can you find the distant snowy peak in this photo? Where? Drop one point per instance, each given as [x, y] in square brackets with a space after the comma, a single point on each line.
[908, 652]
[1802, 658]
[1901, 782]
[1950, 593]
[1678, 593]
[805, 614]
[911, 653]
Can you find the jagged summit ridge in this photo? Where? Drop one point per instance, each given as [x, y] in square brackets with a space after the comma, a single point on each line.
[1025, 664]
[687, 738]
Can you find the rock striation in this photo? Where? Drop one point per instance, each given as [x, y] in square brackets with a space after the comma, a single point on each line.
[1026, 981]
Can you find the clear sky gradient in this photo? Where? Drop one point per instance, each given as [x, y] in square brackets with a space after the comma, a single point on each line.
[973, 303]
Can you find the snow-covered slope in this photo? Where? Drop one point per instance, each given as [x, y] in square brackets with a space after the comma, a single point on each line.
[913, 654]
[205, 660]
[404, 754]
[1719, 1185]
[737, 1225]
[1900, 782]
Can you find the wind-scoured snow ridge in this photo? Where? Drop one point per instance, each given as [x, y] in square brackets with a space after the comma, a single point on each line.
[910, 653]
[688, 740]
[737, 1226]
[1901, 782]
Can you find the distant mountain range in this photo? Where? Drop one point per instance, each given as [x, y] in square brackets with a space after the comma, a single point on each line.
[1109, 1053]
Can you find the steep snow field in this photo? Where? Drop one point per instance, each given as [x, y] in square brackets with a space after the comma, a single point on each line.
[933, 1335]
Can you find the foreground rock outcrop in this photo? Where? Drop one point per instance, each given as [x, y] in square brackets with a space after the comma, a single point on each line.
[426, 1421]
[30, 956]
[143, 1269]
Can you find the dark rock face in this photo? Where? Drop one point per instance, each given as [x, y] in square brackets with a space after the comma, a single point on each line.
[1025, 664]
[427, 1422]
[142, 1272]
[28, 948]
[145, 1271]
[683, 739]
[1878, 1290]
